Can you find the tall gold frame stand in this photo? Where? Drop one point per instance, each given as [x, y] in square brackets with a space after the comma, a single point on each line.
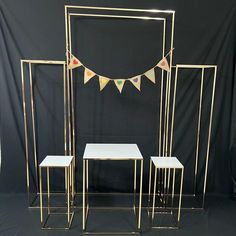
[203, 68]
[30, 63]
[163, 137]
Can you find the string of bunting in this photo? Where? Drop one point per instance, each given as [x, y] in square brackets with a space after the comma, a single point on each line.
[103, 80]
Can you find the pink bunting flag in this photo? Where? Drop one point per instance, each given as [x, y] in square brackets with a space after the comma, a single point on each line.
[163, 64]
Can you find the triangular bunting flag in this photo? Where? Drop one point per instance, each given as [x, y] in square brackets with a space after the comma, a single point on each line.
[163, 64]
[88, 74]
[119, 84]
[136, 81]
[150, 74]
[74, 62]
[103, 81]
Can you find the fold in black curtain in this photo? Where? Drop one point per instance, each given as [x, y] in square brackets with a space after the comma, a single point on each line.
[204, 34]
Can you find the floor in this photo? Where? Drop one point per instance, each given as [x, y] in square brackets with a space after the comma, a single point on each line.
[218, 219]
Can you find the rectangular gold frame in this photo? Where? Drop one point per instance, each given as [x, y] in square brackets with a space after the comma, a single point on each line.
[163, 138]
[202, 68]
[65, 86]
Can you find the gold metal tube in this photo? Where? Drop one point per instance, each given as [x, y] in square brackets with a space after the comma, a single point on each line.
[68, 83]
[87, 175]
[159, 182]
[25, 130]
[180, 194]
[84, 176]
[43, 62]
[198, 132]
[41, 195]
[150, 181]
[72, 95]
[87, 184]
[68, 193]
[173, 110]
[209, 136]
[70, 174]
[66, 182]
[165, 113]
[65, 104]
[135, 174]
[154, 193]
[117, 16]
[48, 187]
[73, 179]
[121, 9]
[140, 194]
[165, 185]
[33, 126]
[173, 189]
[189, 66]
[168, 185]
[169, 87]
[69, 114]
[161, 93]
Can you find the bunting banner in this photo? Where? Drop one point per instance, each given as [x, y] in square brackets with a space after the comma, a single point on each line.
[119, 83]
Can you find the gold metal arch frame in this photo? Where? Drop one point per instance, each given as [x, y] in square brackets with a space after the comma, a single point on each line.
[30, 63]
[203, 68]
[69, 13]
[163, 136]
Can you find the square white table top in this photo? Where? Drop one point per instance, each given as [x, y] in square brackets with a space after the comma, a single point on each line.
[167, 162]
[105, 151]
[56, 161]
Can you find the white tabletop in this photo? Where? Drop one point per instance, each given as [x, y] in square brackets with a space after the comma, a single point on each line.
[56, 161]
[167, 162]
[105, 151]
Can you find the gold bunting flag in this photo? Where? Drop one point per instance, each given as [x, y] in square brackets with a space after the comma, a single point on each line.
[119, 84]
[136, 81]
[163, 64]
[74, 62]
[88, 74]
[150, 74]
[103, 81]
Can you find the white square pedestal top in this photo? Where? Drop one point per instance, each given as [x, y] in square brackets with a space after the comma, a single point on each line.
[56, 161]
[105, 151]
[167, 162]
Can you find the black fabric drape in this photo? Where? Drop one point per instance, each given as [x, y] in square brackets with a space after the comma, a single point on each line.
[204, 34]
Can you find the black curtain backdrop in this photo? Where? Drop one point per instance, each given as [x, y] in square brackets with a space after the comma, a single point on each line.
[204, 34]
